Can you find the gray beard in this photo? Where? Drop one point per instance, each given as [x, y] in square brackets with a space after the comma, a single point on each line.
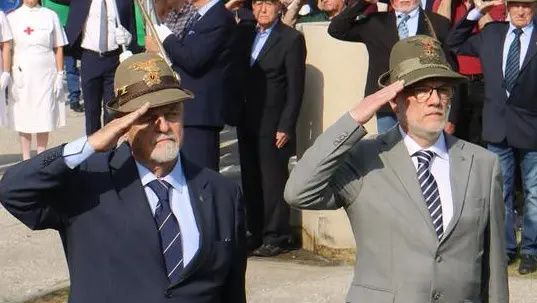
[167, 154]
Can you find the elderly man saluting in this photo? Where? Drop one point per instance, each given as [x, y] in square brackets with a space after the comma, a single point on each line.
[139, 223]
[426, 208]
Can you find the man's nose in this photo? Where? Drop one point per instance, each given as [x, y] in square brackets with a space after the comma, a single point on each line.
[162, 124]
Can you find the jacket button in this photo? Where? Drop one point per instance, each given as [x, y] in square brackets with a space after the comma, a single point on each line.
[168, 294]
[437, 295]
[439, 259]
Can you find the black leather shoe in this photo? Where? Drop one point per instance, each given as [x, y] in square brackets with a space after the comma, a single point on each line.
[267, 250]
[77, 107]
[528, 264]
[511, 258]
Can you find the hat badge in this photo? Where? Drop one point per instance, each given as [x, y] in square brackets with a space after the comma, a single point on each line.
[152, 76]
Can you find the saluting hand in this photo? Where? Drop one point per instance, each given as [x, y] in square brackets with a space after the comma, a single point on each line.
[107, 137]
[485, 6]
[366, 109]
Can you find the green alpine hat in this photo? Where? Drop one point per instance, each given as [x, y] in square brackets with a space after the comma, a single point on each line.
[417, 58]
[142, 78]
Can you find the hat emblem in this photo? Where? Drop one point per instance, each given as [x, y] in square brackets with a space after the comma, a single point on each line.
[152, 76]
[431, 51]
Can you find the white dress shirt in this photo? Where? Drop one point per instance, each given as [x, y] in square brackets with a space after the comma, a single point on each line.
[412, 23]
[78, 151]
[439, 169]
[91, 31]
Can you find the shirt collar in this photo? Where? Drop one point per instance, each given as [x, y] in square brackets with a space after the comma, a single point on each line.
[203, 10]
[268, 30]
[31, 9]
[175, 178]
[439, 147]
[525, 29]
[412, 14]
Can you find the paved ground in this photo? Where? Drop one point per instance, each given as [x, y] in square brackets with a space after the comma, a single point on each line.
[33, 263]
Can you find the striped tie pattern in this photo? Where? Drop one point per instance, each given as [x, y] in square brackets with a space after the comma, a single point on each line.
[169, 230]
[512, 65]
[402, 27]
[430, 190]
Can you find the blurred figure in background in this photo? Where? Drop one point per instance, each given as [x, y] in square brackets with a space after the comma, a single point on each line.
[35, 94]
[70, 63]
[274, 55]
[5, 64]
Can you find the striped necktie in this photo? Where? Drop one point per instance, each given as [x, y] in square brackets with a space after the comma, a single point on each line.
[402, 27]
[169, 230]
[429, 189]
[512, 65]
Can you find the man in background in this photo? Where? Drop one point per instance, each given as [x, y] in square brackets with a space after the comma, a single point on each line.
[69, 63]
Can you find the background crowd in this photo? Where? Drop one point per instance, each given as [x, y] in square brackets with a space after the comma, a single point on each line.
[246, 63]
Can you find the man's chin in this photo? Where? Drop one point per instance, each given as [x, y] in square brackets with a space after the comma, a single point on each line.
[166, 153]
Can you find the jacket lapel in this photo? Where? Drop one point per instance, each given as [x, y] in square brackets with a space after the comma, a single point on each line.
[460, 164]
[272, 40]
[202, 205]
[396, 154]
[532, 47]
[391, 35]
[127, 184]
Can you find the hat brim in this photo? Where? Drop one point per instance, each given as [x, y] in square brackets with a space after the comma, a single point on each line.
[422, 74]
[155, 99]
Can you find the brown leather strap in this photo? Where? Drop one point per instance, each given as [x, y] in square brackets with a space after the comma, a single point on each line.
[141, 88]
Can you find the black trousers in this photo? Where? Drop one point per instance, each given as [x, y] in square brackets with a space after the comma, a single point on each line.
[201, 145]
[469, 126]
[97, 81]
[264, 172]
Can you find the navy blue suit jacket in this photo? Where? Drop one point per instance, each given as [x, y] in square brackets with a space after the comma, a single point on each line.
[109, 235]
[205, 59]
[512, 118]
[78, 14]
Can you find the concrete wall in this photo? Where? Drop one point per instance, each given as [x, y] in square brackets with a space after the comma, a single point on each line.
[335, 79]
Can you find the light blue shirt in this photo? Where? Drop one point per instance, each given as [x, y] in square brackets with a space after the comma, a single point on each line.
[259, 41]
[203, 10]
[524, 43]
[525, 38]
[412, 23]
[78, 151]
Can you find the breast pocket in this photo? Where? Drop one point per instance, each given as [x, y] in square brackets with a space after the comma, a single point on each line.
[362, 293]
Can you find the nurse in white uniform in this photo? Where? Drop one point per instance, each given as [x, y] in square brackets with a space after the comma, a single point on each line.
[5, 65]
[36, 98]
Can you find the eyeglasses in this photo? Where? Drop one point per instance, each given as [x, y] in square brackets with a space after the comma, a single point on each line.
[424, 92]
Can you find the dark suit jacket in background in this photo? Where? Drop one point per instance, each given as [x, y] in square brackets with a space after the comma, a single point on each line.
[274, 85]
[78, 14]
[109, 235]
[513, 118]
[378, 31]
[205, 61]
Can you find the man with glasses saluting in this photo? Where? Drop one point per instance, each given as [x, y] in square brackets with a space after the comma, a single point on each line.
[426, 208]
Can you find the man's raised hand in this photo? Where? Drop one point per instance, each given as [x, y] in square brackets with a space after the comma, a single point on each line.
[107, 137]
[368, 107]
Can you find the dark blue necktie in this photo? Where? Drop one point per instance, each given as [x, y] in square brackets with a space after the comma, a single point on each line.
[512, 65]
[430, 190]
[169, 230]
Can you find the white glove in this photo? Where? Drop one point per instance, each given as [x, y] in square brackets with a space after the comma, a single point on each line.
[58, 85]
[162, 31]
[5, 79]
[123, 37]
